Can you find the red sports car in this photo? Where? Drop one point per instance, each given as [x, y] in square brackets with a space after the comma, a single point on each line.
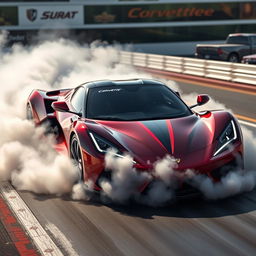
[143, 117]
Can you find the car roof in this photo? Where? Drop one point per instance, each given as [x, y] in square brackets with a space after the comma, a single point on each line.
[102, 83]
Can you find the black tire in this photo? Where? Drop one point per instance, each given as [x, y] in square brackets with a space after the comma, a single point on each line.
[76, 156]
[233, 57]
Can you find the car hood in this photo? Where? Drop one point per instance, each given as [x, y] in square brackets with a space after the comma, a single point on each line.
[148, 141]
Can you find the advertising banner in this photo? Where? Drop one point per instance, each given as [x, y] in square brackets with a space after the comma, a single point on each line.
[48, 16]
[8, 16]
[169, 12]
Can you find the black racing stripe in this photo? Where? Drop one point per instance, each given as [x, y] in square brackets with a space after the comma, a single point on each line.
[160, 129]
[197, 132]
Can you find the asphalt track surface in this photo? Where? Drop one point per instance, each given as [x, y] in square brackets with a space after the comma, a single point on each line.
[188, 227]
[243, 105]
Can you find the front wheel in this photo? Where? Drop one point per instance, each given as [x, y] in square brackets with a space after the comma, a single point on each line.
[76, 156]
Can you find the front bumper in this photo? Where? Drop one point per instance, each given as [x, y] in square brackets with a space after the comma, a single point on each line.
[214, 168]
[198, 161]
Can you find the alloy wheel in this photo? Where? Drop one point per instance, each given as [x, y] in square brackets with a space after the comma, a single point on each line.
[76, 155]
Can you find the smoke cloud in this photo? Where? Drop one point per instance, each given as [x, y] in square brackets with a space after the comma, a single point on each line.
[28, 158]
[125, 179]
[164, 180]
[236, 181]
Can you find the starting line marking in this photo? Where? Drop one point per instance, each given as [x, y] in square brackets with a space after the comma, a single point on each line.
[36, 232]
[61, 238]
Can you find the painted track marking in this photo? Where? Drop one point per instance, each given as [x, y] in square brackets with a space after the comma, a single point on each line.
[61, 238]
[247, 123]
[246, 118]
[34, 229]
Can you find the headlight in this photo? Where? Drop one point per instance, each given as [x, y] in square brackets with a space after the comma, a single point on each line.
[227, 136]
[101, 144]
[104, 146]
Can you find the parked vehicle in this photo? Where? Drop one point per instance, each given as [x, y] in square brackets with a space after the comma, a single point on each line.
[236, 46]
[249, 59]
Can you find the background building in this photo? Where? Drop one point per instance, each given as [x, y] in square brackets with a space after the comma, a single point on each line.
[171, 27]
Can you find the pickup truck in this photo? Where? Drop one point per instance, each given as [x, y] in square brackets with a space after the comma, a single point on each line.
[236, 46]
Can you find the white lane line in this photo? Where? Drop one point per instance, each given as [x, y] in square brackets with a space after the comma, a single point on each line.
[247, 123]
[33, 228]
[61, 238]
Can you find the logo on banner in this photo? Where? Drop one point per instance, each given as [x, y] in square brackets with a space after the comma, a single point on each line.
[104, 17]
[32, 14]
[46, 15]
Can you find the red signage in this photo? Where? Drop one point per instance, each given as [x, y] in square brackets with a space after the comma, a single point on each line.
[135, 13]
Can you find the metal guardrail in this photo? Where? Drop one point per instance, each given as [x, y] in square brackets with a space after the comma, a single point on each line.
[233, 72]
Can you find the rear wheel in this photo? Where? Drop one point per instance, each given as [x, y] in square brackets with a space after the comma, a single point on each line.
[76, 156]
[233, 57]
[29, 114]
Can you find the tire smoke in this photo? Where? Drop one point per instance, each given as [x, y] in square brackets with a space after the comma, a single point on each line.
[236, 181]
[27, 157]
[29, 161]
[165, 180]
[125, 179]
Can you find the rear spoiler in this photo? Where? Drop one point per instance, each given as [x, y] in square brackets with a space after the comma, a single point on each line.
[58, 92]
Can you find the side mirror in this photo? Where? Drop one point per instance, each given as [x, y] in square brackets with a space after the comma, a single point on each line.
[60, 106]
[201, 100]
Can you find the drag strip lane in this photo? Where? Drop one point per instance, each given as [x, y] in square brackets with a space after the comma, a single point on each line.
[190, 226]
[194, 227]
[28, 221]
[243, 105]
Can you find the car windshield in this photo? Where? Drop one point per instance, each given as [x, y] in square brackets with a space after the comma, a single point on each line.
[134, 102]
[238, 40]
